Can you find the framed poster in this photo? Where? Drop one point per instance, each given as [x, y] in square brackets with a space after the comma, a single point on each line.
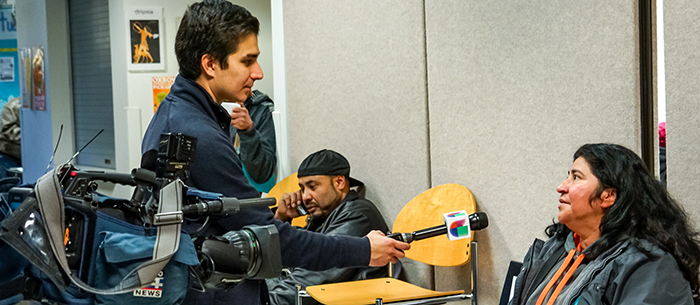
[38, 81]
[145, 38]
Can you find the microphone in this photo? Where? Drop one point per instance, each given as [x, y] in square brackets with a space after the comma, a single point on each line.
[226, 205]
[457, 225]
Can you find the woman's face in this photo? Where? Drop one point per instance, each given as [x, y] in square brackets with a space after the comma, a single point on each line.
[578, 209]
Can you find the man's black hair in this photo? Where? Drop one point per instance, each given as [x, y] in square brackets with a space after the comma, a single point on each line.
[213, 27]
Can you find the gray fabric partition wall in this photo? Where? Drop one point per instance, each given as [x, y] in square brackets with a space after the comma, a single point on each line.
[515, 87]
[682, 47]
[356, 84]
[493, 95]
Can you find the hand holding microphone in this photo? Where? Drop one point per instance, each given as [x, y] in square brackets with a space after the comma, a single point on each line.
[385, 250]
[457, 225]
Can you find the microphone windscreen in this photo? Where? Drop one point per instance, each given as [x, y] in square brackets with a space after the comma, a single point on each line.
[478, 221]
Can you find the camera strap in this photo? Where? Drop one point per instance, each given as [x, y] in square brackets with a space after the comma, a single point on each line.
[168, 220]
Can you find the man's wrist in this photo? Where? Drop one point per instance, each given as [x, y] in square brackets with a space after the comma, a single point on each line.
[247, 133]
[282, 217]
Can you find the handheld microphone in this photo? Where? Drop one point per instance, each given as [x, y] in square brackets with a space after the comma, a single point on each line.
[226, 205]
[454, 228]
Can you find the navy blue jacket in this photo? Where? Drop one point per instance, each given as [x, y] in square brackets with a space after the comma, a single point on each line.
[215, 167]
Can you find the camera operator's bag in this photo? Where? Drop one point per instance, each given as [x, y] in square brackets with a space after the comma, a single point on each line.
[12, 264]
[122, 258]
[120, 251]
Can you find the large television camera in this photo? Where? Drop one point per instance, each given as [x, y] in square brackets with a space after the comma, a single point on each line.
[252, 252]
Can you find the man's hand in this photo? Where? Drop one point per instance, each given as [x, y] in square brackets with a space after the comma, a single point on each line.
[241, 119]
[287, 206]
[384, 249]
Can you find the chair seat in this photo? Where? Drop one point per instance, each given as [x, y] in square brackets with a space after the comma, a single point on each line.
[367, 291]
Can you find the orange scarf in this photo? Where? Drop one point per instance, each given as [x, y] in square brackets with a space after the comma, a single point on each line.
[557, 275]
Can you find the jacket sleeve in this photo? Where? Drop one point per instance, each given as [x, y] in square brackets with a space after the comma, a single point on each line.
[10, 121]
[351, 222]
[653, 281]
[305, 249]
[283, 290]
[259, 148]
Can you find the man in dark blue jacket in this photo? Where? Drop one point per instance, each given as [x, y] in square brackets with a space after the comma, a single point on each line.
[217, 50]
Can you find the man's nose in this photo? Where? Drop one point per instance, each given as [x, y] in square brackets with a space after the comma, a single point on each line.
[306, 196]
[256, 72]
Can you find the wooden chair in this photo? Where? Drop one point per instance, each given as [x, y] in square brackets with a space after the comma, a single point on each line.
[422, 212]
[287, 185]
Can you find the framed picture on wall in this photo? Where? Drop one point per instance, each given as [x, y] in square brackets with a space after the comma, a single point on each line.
[38, 80]
[145, 38]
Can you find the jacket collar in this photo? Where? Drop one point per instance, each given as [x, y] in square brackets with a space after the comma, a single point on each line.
[315, 223]
[192, 92]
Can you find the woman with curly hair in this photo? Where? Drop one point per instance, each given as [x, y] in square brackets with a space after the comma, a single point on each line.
[620, 239]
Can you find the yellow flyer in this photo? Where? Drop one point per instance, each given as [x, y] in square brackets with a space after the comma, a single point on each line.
[161, 88]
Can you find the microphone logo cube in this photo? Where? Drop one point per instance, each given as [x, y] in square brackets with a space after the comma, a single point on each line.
[457, 224]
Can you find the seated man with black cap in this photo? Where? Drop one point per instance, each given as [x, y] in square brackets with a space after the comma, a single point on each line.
[334, 209]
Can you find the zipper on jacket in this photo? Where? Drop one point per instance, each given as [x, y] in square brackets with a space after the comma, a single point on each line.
[528, 269]
[602, 266]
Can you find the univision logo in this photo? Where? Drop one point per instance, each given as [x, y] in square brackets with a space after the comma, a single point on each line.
[459, 227]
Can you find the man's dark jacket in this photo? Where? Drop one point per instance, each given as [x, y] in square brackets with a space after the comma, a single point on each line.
[258, 150]
[355, 217]
[215, 167]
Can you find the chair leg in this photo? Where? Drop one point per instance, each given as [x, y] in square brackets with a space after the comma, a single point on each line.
[474, 273]
[302, 296]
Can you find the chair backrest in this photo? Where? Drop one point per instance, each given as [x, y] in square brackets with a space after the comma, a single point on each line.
[426, 210]
[288, 185]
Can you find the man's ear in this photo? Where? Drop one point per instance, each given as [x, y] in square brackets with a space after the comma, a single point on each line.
[608, 197]
[339, 182]
[208, 64]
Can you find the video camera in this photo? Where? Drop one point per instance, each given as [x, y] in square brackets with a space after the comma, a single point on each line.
[252, 252]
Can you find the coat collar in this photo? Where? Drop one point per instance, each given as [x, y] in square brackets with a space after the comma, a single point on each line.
[192, 92]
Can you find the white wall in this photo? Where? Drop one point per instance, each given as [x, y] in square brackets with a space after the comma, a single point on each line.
[61, 98]
[32, 30]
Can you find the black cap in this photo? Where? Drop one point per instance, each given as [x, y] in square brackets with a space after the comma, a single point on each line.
[327, 163]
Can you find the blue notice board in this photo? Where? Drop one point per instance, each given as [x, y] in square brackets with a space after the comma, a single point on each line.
[9, 60]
